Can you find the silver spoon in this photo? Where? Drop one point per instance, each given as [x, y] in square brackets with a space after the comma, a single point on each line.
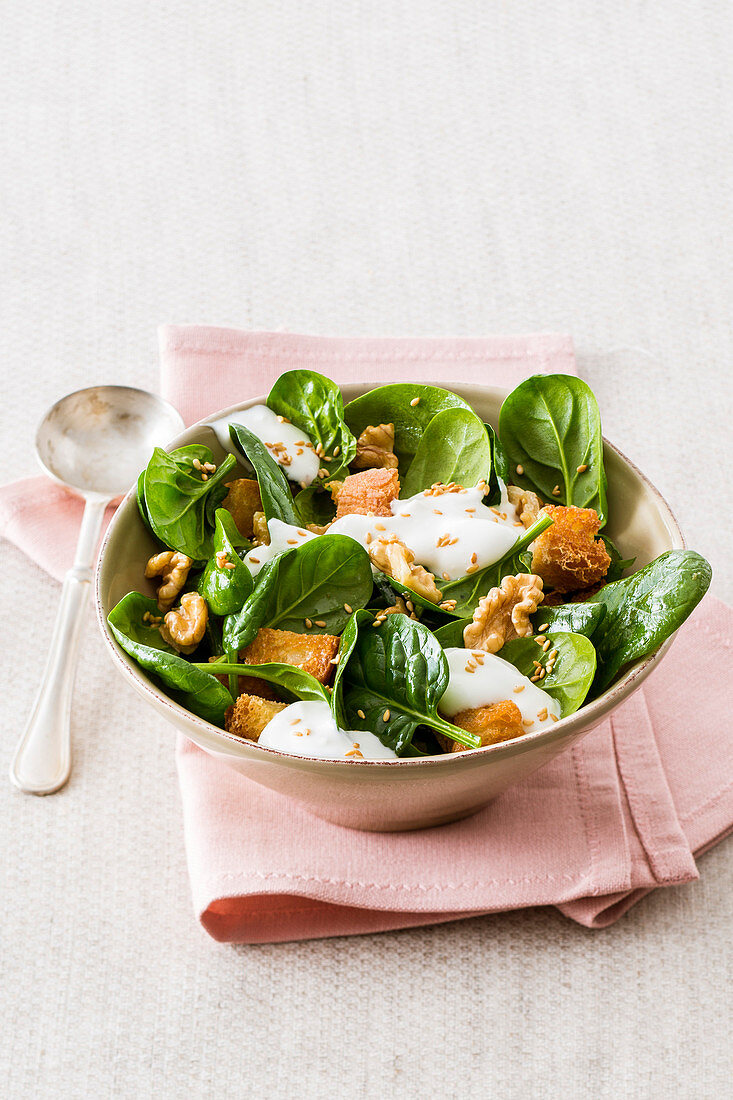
[94, 442]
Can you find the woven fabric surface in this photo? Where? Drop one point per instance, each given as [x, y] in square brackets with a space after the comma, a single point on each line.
[384, 169]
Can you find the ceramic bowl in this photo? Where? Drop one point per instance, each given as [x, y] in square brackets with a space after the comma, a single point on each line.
[394, 794]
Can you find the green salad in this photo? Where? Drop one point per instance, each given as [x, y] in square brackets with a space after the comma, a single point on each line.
[393, 577]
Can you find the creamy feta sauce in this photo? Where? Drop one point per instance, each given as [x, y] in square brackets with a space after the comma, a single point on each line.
[494, 680]
[307, 728]
[451, 534]
[289, 446]
[283, 536]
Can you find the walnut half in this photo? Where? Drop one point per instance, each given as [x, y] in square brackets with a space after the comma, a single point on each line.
[375, 449]
[172, 567]
[504, 613]
[526, 504]
[184, 628]
[393, 557]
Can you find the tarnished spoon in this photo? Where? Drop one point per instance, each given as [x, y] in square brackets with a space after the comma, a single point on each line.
[94, 442]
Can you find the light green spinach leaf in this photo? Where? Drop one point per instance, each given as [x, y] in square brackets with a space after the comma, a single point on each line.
[573, 670]
[225, 587]
[179, 502]
[315, 405]
[315, 581]
[550, 425]
[194, 688]
[294, 681]
[455, 447]
[395, 676]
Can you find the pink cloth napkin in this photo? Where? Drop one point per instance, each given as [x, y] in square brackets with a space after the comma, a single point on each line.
[622, 812]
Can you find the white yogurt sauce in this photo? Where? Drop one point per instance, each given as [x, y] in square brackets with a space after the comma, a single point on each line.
[449, 534]
[308, 729]
[295, 454]
[494, 680]
[283, 536]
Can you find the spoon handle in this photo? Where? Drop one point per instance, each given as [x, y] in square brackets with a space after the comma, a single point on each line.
[42, 762]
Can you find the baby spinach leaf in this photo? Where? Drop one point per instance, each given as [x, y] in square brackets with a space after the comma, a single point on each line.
[294, 681]
[314, 581]
[451, 634]
[393, 405]
[315, 405]
[395, 676]
[349, 637]
[573, 670]
[194, 688]
[642, 610]
[315, 505]
[467, 591]
[550, 425]
[277, 500]
[382, 579]
[225, 587]
[499, 467]
[618, 564]
[578, 618]
[177, 498]
[455, 447]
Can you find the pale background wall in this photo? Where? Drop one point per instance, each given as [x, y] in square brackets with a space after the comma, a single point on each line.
[386, 168]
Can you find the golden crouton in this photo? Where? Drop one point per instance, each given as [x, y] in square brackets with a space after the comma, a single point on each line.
[313, 653]
[495, 723]
[249, 716]
[243, 500]
[369, 492]
[567, 555]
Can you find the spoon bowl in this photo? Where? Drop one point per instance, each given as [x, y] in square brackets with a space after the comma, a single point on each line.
[93, 442]
[97, 440]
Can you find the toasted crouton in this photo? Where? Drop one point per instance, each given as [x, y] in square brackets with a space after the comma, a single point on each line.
[371, 491]
[249, 716]
[495, 723]
[567, 555]
[243, 500]
[311, 652]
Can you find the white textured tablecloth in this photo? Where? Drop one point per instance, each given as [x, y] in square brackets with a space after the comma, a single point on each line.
[381, 168]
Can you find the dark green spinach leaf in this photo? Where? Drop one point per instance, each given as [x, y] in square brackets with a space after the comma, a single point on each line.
[315, 405]
[294, 681]
[393, 405]
[572, 673]
[177, 500]
[450, 635]
[550, 425]
[455, 447]
[194, 688]
[499, 467]
[618, 565]
[277, 500]
[395, 675]
[577, 618]
[225, 587]
[317, 580]
[643, 610]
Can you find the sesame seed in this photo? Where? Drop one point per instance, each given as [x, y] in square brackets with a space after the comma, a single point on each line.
[348, 608]
[336, 450]
[552, 656]
[437, 511]
[415, 401]
[556, 491]
[302, 533]
[309, 623]
[471, 569]
[385, 716]
[298, 733]
[255, 561]
[542, 714]
[379, 527]
[294, 721]
[470, 509]
[546, 645]
[210, 467]
[520, 470]
[361, 713]
[323, 473]
[529, 723]
[204, 477]
[292, 542]
[518, 688]
[445, 576]
[543, 628]
[320, 622]
[581, 469]
[368, 538]
[474, 558]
